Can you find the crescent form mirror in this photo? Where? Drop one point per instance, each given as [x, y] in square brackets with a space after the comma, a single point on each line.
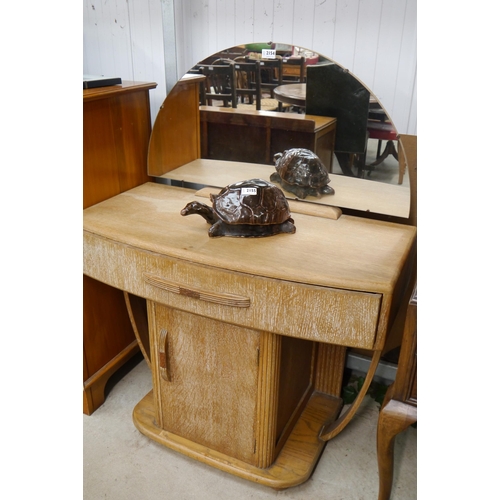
[307, 101]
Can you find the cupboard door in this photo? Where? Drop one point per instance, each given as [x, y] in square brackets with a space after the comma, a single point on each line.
[205, 376]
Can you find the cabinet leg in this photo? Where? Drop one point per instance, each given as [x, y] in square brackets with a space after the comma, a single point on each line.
[394, 418]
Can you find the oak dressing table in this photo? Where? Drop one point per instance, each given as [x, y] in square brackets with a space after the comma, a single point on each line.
[247, 335]
[246, 338]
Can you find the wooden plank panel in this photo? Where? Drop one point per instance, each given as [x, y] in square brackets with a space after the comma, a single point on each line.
[324, 26]
[344, 35]
[404, 109]
[389, 52]
[91, 52]
[282, 22]
[243, 22]
[262, 21]
[99, 153]
[303, 15]
[367, 35]
[225, 25]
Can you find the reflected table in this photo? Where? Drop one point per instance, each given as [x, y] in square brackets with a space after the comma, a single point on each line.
[292, 93]
[295, 94]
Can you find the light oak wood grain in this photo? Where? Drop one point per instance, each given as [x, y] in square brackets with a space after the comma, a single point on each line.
[209, 398]
[335, 315]
[350, 253]
[330, 369]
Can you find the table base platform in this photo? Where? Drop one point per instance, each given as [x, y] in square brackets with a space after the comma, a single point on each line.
[293, 466]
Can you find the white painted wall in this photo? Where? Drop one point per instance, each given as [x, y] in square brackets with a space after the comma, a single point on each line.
[375, 39]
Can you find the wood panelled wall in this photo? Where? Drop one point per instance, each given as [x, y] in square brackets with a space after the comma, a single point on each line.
[375, 39]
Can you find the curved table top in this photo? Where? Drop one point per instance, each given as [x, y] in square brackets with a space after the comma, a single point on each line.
[291, 93]
[295, 94]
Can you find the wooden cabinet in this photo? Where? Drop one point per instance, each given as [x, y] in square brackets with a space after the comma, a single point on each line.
[248, 334]
[400, 405]
[241, 397]
[116, 130]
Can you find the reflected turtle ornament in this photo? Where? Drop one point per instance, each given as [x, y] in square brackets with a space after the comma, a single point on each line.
[301, 172]
[249, 209]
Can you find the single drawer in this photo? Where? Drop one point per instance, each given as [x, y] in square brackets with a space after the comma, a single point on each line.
[337, 316]
[299, 310]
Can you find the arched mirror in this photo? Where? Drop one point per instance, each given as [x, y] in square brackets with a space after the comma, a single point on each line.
[231, 114]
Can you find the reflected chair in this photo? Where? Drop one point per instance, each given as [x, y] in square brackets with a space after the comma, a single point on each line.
[219, 85]
[271, 76]
[294, 69]
[248, 85]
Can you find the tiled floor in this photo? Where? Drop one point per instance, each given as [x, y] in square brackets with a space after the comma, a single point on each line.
[122, 464]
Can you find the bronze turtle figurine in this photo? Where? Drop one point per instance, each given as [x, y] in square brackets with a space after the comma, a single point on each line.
[302, 173]
[249, 209]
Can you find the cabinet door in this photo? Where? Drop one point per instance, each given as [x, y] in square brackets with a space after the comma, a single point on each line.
[205, 375]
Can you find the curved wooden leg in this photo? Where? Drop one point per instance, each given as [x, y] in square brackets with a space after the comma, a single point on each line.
[331, 430]
[394, 418]
[390, 149]
[138, 314]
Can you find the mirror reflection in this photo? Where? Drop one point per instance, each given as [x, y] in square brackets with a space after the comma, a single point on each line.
[236, 112]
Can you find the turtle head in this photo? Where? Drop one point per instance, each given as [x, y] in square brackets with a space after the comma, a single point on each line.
[195, 207]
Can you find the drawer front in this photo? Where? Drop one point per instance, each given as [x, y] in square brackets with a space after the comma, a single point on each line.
[298, 310]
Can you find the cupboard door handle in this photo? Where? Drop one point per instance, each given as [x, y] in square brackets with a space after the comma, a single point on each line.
[163, 356]
[226, 299]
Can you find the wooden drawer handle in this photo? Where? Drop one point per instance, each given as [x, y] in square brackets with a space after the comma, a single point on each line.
[163, 356]
[226, 299]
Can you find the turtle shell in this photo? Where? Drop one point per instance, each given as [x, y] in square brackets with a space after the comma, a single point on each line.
[253, 202]
[299, 170]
